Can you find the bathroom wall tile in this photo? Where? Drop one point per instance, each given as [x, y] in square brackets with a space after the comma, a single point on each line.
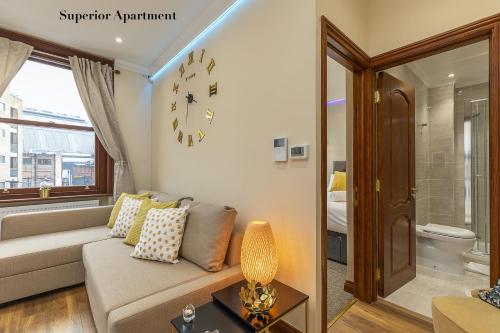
[441, 219]
[447, 172]
[441, 187]
[442, 205]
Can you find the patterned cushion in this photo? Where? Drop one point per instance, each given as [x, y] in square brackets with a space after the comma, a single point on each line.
[126, 217]
[161, 235]
[491, 296]
[135, 231]
[118, 205]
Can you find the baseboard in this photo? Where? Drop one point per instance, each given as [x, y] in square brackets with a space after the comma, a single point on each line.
[283, 327]
[414, 317]
[349, 287]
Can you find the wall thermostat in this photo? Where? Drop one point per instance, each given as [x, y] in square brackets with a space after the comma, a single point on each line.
[300, 152]
[280, 150]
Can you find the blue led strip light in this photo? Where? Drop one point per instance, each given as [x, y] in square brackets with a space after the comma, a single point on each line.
[205, 32]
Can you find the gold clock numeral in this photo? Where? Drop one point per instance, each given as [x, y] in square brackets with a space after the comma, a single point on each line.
[173, 107]
[212, 89]
[175, 123]
[179, 136]
[182, 70]
[209, 115]
[202, 54]
[176, 88]
[201, 135]
[190, 57]
[190, 140]
[211, 66]
[190, 76]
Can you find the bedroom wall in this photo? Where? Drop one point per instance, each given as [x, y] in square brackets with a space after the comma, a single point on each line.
[133, 107]
[265, 59]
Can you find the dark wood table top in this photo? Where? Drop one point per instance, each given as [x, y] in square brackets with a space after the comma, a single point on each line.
[287, 300]
[209, 317]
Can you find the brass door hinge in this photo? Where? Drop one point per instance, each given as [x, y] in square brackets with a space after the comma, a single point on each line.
[376, 97]
[378, 274]
[377, 185]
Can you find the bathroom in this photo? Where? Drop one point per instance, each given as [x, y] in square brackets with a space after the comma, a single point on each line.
[451, 192]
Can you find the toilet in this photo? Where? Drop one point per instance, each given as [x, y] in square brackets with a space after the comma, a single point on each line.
[440, 247]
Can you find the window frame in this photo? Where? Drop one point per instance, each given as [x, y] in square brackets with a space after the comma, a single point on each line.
[57, 55]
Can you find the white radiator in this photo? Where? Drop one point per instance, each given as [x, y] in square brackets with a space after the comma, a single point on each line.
[45, 207]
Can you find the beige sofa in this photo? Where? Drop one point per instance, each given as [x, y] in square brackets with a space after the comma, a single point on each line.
[50, 250]
[460, 314]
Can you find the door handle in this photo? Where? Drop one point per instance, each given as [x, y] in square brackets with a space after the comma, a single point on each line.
[414, 191]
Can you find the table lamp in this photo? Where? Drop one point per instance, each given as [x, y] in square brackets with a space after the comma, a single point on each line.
[259, 263]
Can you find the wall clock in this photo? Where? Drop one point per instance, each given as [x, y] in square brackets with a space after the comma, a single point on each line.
[193, 91]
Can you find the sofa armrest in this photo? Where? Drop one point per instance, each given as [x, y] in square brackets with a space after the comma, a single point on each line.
[153, 313]
[37, 223]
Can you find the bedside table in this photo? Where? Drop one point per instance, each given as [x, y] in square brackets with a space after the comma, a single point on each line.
[288, 299]
[226, 313]
[209, 317]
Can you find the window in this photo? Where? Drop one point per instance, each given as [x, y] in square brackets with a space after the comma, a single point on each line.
[50, 138]
[2, 107]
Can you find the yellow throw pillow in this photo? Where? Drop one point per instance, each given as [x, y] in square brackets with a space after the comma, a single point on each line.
[339, 181]
[119, 203]
[134, 233]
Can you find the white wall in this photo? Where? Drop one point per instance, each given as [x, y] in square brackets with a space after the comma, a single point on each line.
[393, 24]
[133, 106]
[350, 16]
[265, 59]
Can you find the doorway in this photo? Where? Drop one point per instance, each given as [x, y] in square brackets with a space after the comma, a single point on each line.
[368, 238]
[433, 177]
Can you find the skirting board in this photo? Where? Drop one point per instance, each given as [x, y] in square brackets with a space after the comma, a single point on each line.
[349, 287]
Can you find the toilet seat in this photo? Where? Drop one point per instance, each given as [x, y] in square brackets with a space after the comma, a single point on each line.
[448, 231]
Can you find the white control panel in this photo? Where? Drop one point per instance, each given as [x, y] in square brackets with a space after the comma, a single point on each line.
[280, 149]
[299, 152]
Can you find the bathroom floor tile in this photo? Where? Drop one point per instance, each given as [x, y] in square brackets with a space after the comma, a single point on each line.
[417, 294]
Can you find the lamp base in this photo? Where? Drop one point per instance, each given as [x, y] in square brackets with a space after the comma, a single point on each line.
[258, 298]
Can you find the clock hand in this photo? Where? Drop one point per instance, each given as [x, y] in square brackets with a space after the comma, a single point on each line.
[187, 112]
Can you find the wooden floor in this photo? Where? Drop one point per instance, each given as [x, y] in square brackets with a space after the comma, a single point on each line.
[68, 310]
[380, 317]
[65, 310]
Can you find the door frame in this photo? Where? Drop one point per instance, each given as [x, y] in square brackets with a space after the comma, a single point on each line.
[341, 48]
[484, 29]
[338, 46]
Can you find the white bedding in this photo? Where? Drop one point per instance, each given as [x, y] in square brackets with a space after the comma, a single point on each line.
[337, 216]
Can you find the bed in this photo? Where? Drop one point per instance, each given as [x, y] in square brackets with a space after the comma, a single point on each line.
[337, 223]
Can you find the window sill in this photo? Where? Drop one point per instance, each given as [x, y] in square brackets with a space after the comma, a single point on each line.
[54, 199]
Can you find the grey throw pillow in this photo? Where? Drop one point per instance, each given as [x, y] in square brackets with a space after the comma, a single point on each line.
[206, 235]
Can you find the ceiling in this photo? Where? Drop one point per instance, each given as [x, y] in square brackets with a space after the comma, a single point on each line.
[470, 64]
[143, 41]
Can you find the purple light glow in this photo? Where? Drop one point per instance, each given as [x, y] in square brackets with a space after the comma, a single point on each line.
[336, 102]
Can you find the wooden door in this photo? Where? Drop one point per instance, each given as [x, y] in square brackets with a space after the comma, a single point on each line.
[396, 183]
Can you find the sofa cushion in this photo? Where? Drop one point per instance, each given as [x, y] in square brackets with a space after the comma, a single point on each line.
[207, 234]
[164, 197]
[454, 314]
[115, 279]
[21, 255]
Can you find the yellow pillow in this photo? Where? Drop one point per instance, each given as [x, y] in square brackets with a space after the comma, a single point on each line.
[339, 181]
[134, 233]
[119, 203]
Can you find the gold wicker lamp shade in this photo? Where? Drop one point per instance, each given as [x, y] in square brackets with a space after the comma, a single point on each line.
[259, 263]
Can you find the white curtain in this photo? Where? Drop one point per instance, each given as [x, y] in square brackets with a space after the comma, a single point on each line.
[95, 85]
[12, 56]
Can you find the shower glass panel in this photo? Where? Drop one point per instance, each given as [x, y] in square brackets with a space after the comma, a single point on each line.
[476, 167]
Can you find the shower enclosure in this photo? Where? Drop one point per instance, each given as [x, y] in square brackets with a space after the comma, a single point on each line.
[476, 165]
